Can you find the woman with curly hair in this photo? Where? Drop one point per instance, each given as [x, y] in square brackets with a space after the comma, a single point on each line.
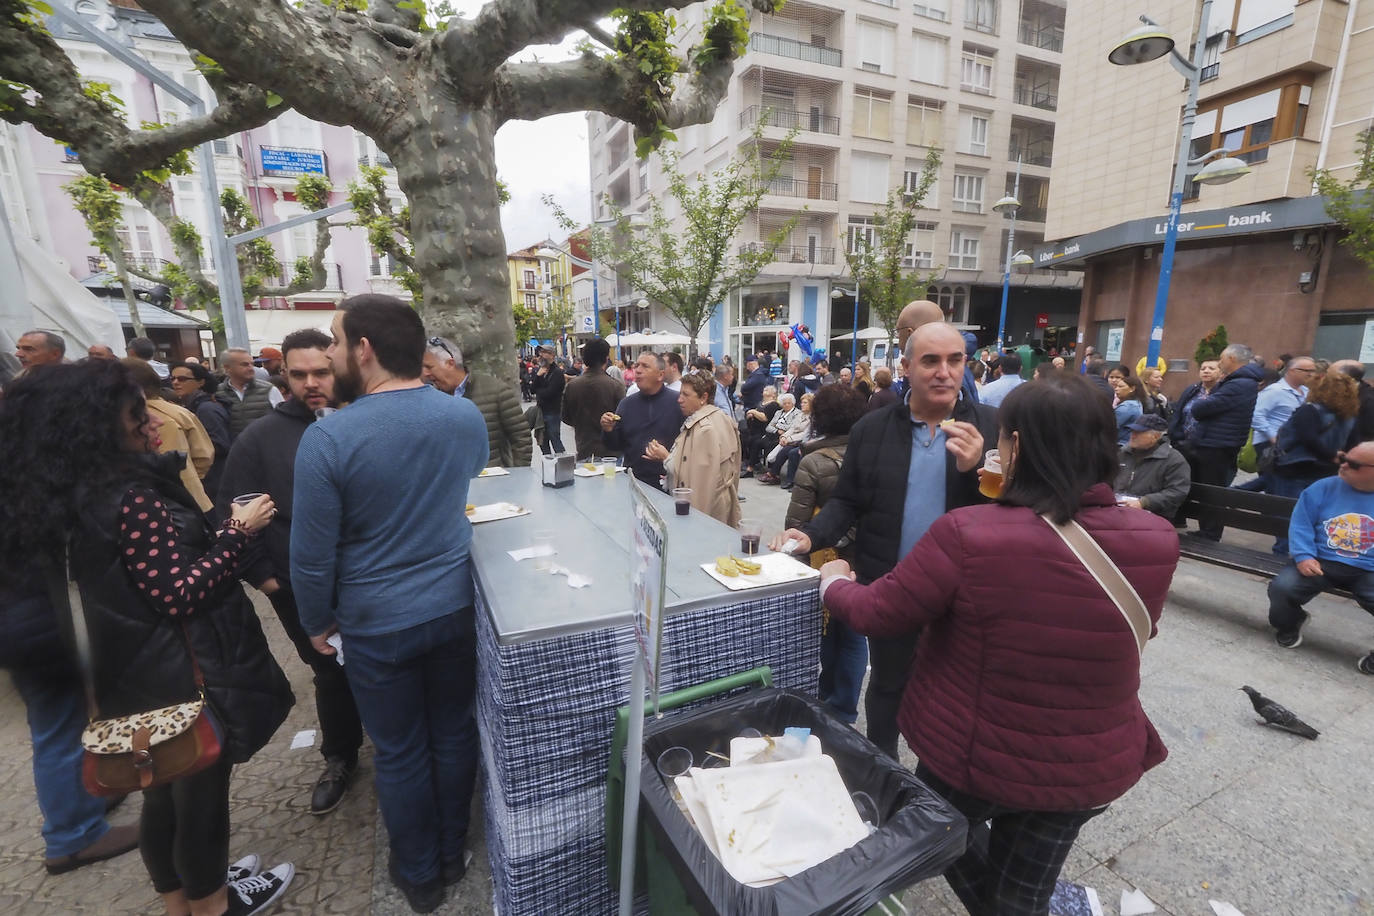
[1306, 446]
[88, 498]
[705, 455]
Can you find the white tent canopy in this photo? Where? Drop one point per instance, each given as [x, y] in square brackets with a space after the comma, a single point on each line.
[870, 333]
[56, 302]
[663, 339]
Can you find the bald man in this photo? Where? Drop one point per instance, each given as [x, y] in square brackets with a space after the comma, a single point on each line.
[904, 467]
[912, 316]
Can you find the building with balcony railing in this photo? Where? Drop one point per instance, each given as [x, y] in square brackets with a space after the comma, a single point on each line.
[262, 164]
[1286, 87]
[865, 90]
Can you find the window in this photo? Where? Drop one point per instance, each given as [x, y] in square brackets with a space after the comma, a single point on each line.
[1248, 125]
[963, 248]
[920, 251]
[968, 192]
[531, 302]
[928, 57]
[877, 46]
[953, 300]
[925, 122]
[380, 265]
[973, 133]
[1251, 14]
[528, 275]
[863, 233]
[644, 176]
[135, 234]
[295, 130]
[975, 71]
[762, 305]
[872, 114]
[869, 177]
[981, 15]
[911, 180]
[933, 9]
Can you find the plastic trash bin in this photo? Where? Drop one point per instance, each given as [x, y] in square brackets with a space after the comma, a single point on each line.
[919, 833]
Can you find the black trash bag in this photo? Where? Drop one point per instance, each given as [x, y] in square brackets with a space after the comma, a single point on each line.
[919, 833]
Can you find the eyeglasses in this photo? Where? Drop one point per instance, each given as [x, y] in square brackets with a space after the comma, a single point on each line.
[1343, 458]
[439, 342]
[183, 378]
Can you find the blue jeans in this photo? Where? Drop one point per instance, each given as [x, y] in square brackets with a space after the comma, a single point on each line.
[844, 657]
[72, 818]
[415, 690]
[553, 430]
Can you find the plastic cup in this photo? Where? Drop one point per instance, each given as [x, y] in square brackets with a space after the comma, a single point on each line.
[608, 467]
[543, 544]
[246, 498]
[682, 500]
[674, 762]
[990, 480]
[750, 533]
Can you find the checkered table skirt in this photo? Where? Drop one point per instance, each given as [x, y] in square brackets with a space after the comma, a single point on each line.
[547, 710]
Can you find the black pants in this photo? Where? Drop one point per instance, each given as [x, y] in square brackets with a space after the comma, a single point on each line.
[183, 834]
[889, 658]
[1008, 869]
[341, 728]
[1215, 466]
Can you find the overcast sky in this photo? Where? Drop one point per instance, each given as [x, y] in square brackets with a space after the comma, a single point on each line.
[533, 158]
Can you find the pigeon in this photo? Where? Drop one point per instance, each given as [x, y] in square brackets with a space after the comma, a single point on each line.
[1279, 717]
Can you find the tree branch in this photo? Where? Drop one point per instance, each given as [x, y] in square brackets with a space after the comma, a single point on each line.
[390, 13]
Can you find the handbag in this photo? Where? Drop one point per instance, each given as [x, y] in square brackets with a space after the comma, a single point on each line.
[1117, 587]
[146, 749]
[1247, 460]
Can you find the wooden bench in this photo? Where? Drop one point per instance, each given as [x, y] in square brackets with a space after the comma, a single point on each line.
[1244, 510]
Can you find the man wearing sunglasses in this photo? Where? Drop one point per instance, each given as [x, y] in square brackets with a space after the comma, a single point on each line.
[508, 433]
[1331, 538]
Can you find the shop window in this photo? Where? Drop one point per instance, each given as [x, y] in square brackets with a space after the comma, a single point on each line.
[763, 305]
[1345, 335]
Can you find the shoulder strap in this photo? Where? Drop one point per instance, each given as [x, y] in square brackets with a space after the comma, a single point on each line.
[1122, 593]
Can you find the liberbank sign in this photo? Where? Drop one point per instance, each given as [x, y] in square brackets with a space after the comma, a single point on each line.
[1251, 219]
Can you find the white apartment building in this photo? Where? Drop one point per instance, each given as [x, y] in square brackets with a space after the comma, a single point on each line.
[870, 86]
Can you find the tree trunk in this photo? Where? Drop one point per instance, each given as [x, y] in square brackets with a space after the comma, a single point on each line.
[445, 162]
[122, 271]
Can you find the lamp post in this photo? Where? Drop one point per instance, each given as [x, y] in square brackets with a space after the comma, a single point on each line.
[1012, 205]
[839, 293]
[1150, 42]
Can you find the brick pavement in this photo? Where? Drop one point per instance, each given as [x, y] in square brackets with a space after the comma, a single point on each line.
[1271, 823]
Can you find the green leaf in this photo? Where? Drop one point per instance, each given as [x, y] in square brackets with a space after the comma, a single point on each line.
[273, 100]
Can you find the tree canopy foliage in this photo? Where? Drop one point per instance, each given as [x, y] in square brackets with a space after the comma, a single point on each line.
[1351, 203]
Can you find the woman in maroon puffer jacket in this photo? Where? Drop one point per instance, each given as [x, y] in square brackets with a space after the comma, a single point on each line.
[1022, 703]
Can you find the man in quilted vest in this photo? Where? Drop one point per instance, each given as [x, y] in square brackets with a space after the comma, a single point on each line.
[243, 394]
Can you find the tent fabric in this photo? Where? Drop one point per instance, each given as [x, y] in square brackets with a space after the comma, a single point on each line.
[60, 304]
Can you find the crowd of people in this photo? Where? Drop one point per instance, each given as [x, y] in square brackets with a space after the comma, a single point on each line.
[955, 584]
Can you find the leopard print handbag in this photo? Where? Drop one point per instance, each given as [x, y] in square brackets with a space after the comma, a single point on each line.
[147, 749]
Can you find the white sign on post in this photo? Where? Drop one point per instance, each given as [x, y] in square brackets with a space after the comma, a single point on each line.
[1367, 344]
[1115, 336]
[647, 582]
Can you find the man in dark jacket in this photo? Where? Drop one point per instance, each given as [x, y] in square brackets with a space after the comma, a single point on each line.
[508, 433]
[1223, 423]
[904, 468]
[547, 384]
[263, 460]
[590, 395]
[756, 379]
[1153, 475]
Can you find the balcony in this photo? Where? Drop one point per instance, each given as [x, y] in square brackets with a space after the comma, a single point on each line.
[1211, 72]
[797, 50]
[1045, 37]
[793, 254]
[1037, 98]
[1031, 154]
[378, 158]
[790, 119]
[801, 187]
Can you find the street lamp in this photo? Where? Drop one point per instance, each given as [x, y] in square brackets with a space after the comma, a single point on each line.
[1012, 205]
[1150, 42]
[839, 293]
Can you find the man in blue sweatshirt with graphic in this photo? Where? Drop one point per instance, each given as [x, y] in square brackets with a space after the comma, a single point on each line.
[380, 555]
[1331, 539]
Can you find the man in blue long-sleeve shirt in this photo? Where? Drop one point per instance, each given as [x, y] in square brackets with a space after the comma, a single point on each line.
[1331, 538]
[380, 554]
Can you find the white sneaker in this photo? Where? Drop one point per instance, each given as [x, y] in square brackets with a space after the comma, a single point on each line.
[247, 867]
[253, 895]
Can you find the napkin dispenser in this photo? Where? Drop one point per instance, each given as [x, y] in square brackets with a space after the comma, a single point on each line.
[558, 470]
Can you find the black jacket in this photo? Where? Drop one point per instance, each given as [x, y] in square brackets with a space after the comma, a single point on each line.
[214, 416]
[548, 388]
[1176, 419]
[263, 460]
[140, 658]
[870, 494]
[1223, 419]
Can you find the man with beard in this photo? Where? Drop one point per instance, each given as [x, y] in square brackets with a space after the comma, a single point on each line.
[380, 556]
[263, 460]
[547, 385]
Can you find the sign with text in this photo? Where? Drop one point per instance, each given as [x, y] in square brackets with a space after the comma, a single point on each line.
[647, 582]
[1115, 336]
[278, 161]
[1042, 320]
[588, 324]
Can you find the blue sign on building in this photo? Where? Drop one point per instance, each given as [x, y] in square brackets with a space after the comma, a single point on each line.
[278, 161]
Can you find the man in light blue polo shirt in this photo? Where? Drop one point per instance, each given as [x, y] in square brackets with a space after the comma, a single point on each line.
[1277, 402]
